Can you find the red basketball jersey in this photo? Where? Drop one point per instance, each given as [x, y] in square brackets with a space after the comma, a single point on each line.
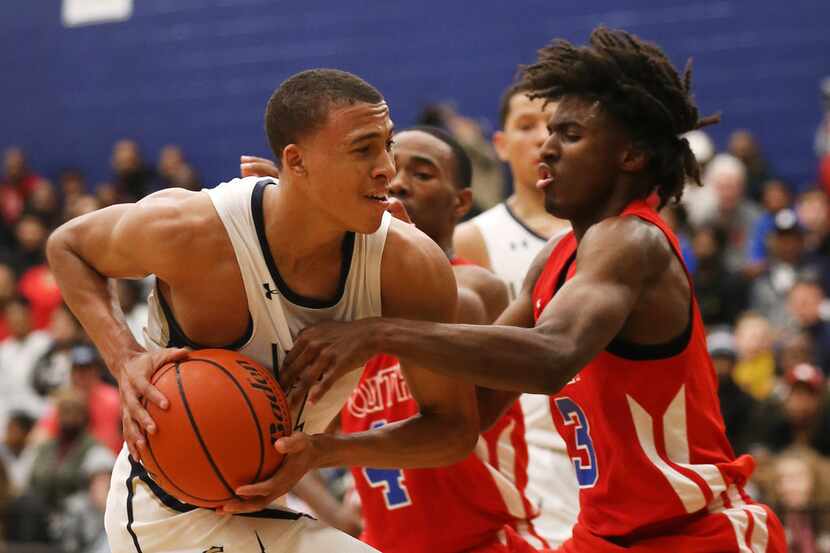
[644, 429]
[462, 507]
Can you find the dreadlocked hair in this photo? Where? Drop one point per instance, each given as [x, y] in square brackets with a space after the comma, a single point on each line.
[635, 83]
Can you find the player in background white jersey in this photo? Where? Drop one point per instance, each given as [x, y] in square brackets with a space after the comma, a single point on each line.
[249, 265]
[506, 239]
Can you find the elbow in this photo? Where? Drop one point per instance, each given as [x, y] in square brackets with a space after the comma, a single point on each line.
[55, 244]
[463, 440]
[560, 366]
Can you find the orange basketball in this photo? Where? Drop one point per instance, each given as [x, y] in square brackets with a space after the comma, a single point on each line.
[218, 433]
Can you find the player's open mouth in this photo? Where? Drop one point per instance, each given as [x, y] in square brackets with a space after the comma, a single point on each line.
[381, 199]
[545, 176]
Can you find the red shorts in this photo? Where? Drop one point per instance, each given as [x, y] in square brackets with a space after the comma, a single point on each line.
[745, 529]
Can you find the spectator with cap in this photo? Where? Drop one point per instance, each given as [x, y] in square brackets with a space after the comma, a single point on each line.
[61, 467]
[101, 401]
[786, 261]
[801, 417]
[809, 309]
[775, 197]
[737, 407]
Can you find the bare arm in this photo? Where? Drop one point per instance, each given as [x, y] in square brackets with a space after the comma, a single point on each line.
[469, 244]
[128, 240]
[584, 316]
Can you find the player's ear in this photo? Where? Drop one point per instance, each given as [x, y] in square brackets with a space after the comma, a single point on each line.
[500, 144]
[634, 158]
[292, 160]
[463, 203]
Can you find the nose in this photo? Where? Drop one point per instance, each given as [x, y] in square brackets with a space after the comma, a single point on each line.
[385, 168]
[549, 151]
[398, 187]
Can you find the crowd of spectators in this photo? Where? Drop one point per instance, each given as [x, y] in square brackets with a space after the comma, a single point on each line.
[757, 248]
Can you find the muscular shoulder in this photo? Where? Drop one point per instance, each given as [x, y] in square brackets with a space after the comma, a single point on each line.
[468, 243]
[417, 281]
[626, 244]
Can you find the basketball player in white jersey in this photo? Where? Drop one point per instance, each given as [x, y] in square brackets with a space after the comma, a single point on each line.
[247, 266]
[507, 238]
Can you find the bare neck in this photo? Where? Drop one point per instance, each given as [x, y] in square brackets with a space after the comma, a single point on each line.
[315, 238]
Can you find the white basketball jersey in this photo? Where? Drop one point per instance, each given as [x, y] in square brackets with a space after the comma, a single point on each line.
[277, 313]
[511, 245]
[552, 484]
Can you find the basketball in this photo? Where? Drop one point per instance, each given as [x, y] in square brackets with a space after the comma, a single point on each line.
[218, 433]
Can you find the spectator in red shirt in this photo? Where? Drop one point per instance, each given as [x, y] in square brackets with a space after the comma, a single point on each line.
[102, 400]
[17, 182]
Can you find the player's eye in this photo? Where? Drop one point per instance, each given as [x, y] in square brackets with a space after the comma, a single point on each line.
[420, 175]
[389, 144]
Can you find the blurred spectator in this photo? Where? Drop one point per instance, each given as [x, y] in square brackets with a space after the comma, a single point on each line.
[737, 406]
[101, 400]
[721, 295]
[8, 289]
[52, 369]
[18, 355]
[171, 159]
[801, 417]
[776, 196]
[725, 177]
[755, 372]
[61, 467]
[786, 261]
[5, 497]
[808, 307]
[744, 146]
[134, 305]
[38, 285]
[106, 194]
[132, 177]
[14, 454]
[43, 203]
[823, 131]
[31, 236]
[72, 184]
[81, 206]
[81, 528]
[813, 209]
[16, 184]
[795, 349]
[676, 217]
[800, 494]
[187, 178]
[488, 174]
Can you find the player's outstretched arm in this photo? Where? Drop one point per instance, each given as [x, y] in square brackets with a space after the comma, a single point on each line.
[122, 241]
[615, 261]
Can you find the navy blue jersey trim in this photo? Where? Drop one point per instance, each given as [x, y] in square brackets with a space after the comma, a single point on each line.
[288, 293]
[178, 339]
[130, 519]
[137, 469]
[652, 352]
[522, 224]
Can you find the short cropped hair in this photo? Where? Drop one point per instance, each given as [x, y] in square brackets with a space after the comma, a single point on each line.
[301, 104]
[463, 165]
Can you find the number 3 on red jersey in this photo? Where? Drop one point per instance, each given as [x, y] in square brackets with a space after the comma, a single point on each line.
[572, 414]
[395, 493]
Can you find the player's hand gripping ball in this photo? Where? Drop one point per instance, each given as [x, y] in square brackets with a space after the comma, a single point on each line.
[218, 433]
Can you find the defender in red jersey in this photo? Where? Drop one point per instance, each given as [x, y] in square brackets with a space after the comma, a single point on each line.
[466, 506]
[614, 332]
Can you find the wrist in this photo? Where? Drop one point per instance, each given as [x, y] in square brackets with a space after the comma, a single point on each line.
[325, 451]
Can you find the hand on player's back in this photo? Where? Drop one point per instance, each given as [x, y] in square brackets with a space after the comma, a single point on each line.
[322, 354]
[253, 166]
[134, 385]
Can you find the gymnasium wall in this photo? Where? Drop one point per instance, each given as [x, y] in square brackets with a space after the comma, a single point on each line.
[198, 72]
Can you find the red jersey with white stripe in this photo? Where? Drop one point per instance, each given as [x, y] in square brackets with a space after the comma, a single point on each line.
[462, 507]
[644, 430]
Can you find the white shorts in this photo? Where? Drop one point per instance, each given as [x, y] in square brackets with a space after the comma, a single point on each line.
[141, 518]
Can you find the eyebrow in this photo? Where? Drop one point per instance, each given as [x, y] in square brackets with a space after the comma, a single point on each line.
[422, 159]
[371, 135]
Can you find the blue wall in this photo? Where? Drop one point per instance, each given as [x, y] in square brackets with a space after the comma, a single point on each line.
[198, 72]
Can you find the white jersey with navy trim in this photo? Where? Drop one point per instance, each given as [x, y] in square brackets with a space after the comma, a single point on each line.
[142, 518]
[511, 245]
[552, 485]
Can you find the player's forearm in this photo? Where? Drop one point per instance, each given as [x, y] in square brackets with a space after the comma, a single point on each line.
[89, 296]
[500, 357]
[424, 440]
